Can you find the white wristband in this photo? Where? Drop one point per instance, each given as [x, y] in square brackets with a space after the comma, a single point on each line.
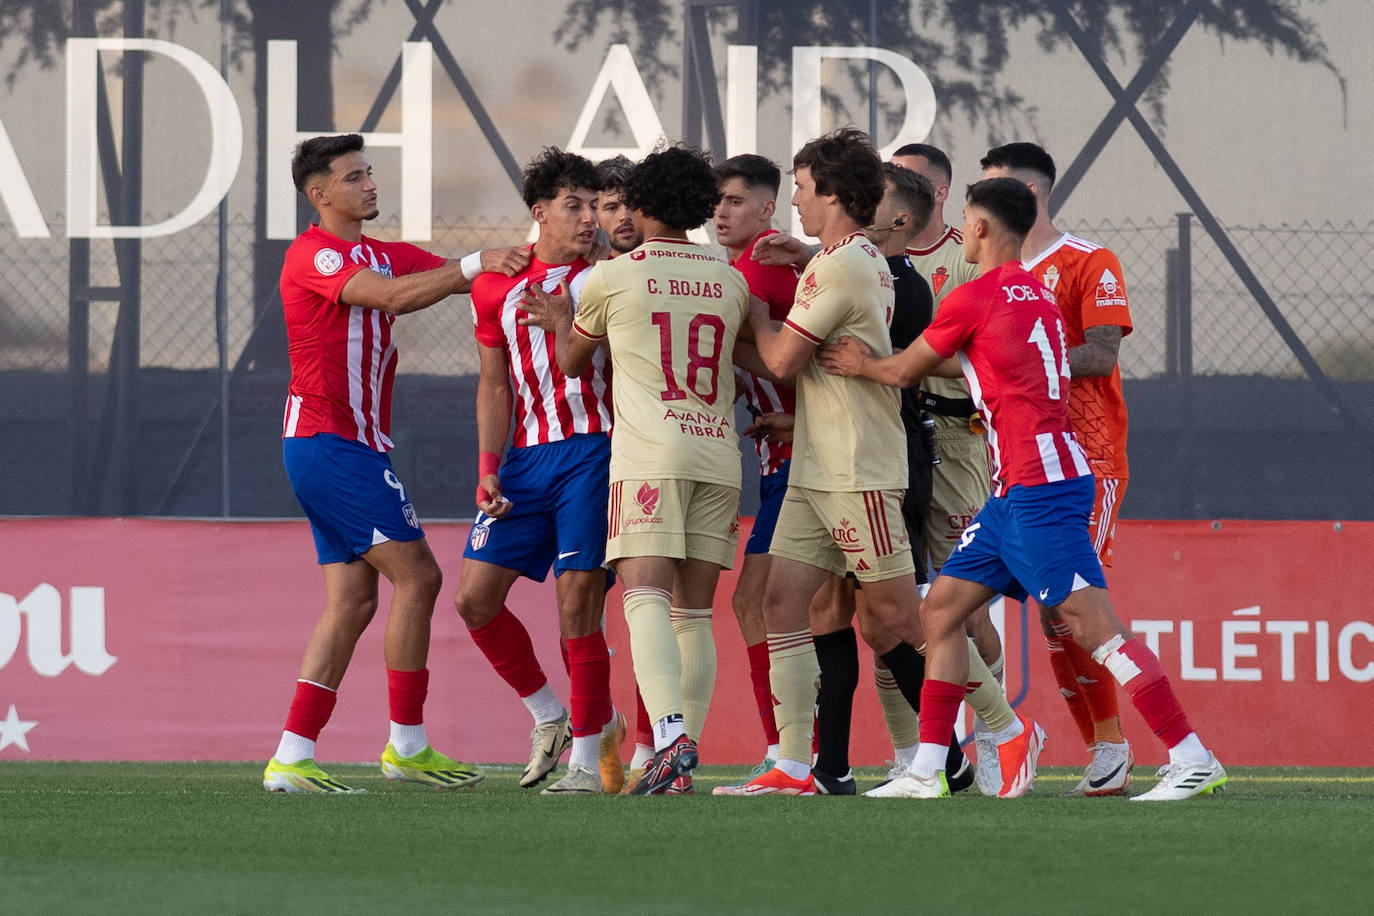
[471, 265]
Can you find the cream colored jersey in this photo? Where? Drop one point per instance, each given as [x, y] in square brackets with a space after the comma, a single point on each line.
[669, 311]
[849, 434]
[944, 268]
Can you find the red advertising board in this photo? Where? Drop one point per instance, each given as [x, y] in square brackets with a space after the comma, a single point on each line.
[180, 640]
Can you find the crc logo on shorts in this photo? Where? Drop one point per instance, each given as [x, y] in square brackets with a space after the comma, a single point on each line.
[647, 497]
[846, 536]
[328, 261]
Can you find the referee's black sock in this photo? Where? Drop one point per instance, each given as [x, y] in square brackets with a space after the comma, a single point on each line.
[838, 655]
[908, 669]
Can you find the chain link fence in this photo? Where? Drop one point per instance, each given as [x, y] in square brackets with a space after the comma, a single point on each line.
[1320, 276]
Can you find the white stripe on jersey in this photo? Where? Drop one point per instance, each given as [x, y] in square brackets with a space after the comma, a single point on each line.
[1049, 457]
[975, 391]
[1080, 457]
[293, 415]
[357, 315]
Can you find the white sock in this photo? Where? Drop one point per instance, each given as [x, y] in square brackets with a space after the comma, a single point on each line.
[667, 730]
[794, 768]
[642, 755]
[772, 752]
[544, 705]
[293, 748]
[1003, 735]
[1189, 751]
[408, 740]
[929, 760]
[584, 751]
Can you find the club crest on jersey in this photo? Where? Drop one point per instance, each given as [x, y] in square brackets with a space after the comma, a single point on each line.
[647, 497]
[937, 279]
[1051, 278]
[328, 261]
[637, 254]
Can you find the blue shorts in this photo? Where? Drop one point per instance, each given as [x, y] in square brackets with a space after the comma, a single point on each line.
[1031, 541]
[350, 494]
[772, 488]
[558, 517]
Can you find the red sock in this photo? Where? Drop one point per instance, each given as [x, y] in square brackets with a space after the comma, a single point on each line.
[589, 684]
[1140, 672]
[763, 690]
[1069, 687]
[563, 651]
[644, 729]
[1098, 689]
[939, 708]
[406, 691]
[310, 709]
[506, 644]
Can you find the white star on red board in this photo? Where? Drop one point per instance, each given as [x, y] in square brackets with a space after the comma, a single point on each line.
[13, 729]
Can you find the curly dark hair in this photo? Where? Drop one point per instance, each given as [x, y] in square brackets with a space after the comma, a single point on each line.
[845, 163]
[316, 156]
[554, 169]
[674, 186]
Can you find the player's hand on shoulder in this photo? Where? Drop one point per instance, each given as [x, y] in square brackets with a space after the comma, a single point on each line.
[843, 357]
[781, 250]
[508, 261]
[543, 309]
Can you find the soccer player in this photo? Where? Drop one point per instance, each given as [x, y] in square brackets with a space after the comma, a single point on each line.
[612, 215]
[670, 313]
[1087, 283]
[748, 187]
[842, 509]
[544, 506]
[341, 292]
[1031, 537]
[960, 484]
[907, 205]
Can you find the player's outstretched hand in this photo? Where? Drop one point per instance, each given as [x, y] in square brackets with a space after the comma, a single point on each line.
[549, 311]
[508, 261]
[776, 427]
[845, 356]
[781, 249]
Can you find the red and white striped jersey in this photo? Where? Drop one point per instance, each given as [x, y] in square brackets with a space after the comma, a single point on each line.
[777, 286]
[549, 406]
[343, 360]
[1009, 336]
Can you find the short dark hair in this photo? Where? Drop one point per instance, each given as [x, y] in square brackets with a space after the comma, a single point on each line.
[845, 163]
[932, 154]
[317, 155]
[1022, 156]
[554, 169]
[913, 189]
[674, 186]
[757, 171]
[1008, 200]
[613, 172]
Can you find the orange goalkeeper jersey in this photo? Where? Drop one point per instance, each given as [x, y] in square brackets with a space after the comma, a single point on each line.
[1087, 283]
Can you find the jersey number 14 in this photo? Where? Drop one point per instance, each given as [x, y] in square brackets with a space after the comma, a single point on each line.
[1042, 343]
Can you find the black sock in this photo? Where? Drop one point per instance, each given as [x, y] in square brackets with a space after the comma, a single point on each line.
[838, 655]
[908, 669]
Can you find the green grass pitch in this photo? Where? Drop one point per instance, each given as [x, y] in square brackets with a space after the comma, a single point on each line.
[205, 838]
